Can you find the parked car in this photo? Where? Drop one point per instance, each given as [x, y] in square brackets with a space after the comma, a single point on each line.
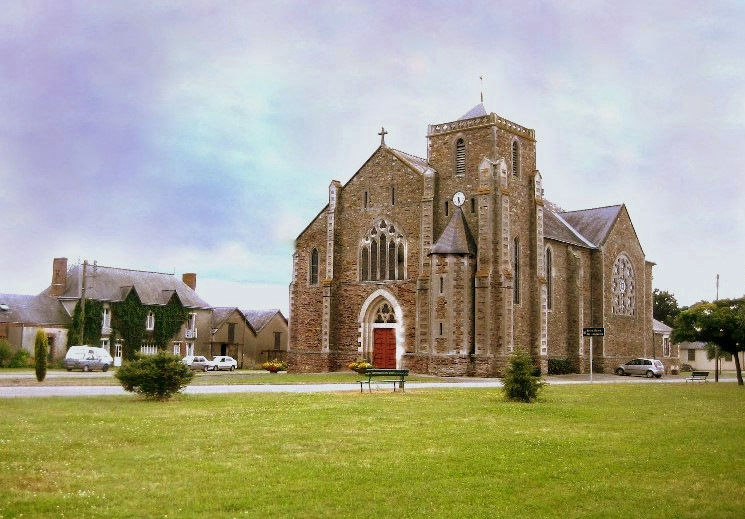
[87, 358]
[647, 367]
[198, 362]
[225, 362]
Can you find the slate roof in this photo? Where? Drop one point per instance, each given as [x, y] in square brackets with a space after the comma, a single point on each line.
[40, 309]
[260, 318]
[556, 228]
[476, 111]
[593, 224]
[456, 238]
[418, 163]
[221, 313]
[114, 284]
[660, 327]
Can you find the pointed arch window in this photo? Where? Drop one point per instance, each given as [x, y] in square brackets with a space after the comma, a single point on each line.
[549, 279]
[460, 157]
[383, 253]
[314, 267]
[516, 270]
[515, 158]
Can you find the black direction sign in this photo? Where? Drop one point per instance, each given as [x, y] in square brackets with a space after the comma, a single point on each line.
[593, 332]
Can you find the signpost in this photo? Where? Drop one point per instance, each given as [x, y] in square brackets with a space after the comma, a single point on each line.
[592, 332]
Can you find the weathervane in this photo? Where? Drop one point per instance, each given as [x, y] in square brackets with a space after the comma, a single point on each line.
[382, 134]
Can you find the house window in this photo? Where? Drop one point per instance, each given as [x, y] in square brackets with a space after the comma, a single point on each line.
[382, 255]
[666, 346]
[549, 280]
[150, 321]
[277, 340]
[516, 270]
[622, 286]
[177, 348]
[314, 267]
[189, 349]
[691, 355]
[515, 158]
[148, 349]
[460, 157]
[191, 322]
[231, 332]
[106, 318]
[118, 349]
[105, 343]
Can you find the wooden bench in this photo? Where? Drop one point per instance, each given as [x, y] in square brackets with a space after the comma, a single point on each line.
[698, 376]
[394, 376]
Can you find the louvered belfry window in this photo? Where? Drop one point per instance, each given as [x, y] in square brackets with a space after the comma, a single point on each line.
[314, 267]
[460, 157]
[515, 158]
[383, 253]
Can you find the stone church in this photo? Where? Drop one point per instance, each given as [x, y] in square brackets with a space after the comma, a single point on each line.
[447, 264]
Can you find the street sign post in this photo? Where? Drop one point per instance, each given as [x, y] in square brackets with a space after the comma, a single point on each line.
[592, 332]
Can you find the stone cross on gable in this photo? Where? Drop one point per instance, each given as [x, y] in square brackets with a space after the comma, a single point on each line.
[382, 134]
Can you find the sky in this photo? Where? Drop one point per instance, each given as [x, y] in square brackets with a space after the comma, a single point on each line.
[202, 136]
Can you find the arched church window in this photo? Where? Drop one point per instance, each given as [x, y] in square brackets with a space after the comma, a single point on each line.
[382, 253]
[515, 158]
[460, 157]
[623, 286]
[549, 279]
[516, 270]
[385, 314]
[314, 267]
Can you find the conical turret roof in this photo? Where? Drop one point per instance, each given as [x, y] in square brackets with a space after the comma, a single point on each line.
[456, 238]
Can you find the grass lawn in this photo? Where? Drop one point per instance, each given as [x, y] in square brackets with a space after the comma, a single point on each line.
[625, 450]
[78, 378]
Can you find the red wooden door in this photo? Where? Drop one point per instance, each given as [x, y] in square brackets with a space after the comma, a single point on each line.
[384, 348]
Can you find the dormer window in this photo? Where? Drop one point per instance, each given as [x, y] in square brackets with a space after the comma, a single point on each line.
[150, 321]
[460, 158]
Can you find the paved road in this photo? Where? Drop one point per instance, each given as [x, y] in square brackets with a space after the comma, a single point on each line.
[47, 391]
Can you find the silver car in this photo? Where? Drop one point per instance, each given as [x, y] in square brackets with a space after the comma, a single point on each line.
[198, 362]
[224, 362]
[647, 367]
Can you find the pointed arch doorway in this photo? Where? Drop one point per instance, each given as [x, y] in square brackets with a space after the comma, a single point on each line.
[381, 330]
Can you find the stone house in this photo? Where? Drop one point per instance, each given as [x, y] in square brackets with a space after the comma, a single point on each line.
[446, 264]
[663, 348]
[21, 316]
[271, 334]
[695, 355]
[233, 335]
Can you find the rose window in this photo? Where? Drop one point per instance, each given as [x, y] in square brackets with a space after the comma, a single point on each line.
[622, 288]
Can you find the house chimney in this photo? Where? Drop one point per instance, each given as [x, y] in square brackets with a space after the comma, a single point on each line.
[190, 279]
[59, 276]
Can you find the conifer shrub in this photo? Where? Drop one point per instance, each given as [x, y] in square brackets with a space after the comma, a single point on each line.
[6, 353]
[520, 384]
[41, 350]
[156, 377]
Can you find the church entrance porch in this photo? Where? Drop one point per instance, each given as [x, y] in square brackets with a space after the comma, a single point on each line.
[384, 348]
[381, 339]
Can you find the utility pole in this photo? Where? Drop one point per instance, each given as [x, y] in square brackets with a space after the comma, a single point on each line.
[716, 350]
[82, 302]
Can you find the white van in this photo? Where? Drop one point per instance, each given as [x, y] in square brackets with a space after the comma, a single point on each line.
[87, 358]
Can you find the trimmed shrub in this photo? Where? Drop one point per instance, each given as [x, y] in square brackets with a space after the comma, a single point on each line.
[273, 366]
[41, 350]
[360, 366]
[156, 377]
[559, 366]
[519, 382]
[6, 353]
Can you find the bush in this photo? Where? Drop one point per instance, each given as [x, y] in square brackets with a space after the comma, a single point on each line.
[520, 384]
[686, 367]
[156, 377]
[6, 353]
[559, 366]
[360, 366]
[20, 359]
[274, 366]
[41, 350]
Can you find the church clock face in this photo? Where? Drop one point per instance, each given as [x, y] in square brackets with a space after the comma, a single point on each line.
[459, 198]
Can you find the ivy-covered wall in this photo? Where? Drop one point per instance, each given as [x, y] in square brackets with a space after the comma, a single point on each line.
[128, 323]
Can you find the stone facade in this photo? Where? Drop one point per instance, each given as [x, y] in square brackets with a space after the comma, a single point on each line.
[461, 281]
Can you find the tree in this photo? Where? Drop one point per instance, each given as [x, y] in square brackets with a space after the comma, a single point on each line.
[721, 323]
[519, 382]
[41, 350]
[664, 307]
[157, 377]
